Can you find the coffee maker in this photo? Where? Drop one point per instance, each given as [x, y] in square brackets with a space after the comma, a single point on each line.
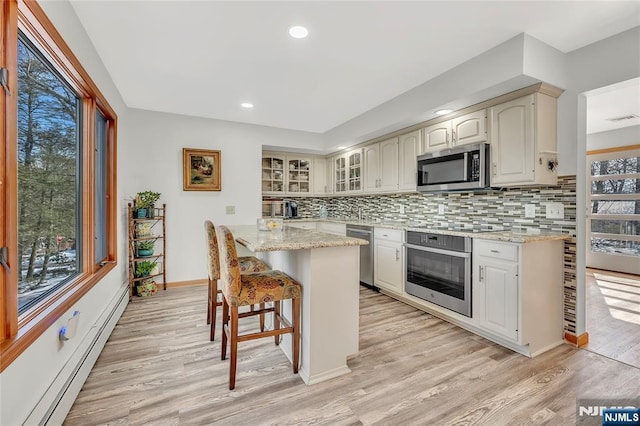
[291, 209]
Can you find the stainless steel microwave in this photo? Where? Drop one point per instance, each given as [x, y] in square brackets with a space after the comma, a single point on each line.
[461, 168]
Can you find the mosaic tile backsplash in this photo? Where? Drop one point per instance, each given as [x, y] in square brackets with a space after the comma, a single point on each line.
[499, 210]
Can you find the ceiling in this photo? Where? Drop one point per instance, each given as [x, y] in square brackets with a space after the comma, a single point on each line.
[614, 107]
[204, 58]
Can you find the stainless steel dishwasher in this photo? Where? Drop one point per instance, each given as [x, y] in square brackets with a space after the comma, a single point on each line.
[366, 252]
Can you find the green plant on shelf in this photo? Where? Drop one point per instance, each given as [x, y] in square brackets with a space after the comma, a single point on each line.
[144, 268]
[146, 199]
[145, 245]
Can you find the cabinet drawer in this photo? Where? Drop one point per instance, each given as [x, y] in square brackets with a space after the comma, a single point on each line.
[496, 250]
[388, 234]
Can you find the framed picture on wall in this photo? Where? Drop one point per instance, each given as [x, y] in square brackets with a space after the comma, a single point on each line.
[201, 170]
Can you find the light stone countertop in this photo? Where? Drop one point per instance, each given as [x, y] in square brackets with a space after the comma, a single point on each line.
[289, 238]
[507, 236]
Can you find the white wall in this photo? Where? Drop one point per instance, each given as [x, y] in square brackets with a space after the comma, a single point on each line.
[153, 161]
[24, 382]
[613, 138]
[609, 61]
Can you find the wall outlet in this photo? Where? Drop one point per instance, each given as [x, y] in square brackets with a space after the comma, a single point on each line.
[555, 211]
[401, 209]
[530, 210]
[441, 208]
[230, 209]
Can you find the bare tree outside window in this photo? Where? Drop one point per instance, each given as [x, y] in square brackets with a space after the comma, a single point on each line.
[48, 178]
[615, 205]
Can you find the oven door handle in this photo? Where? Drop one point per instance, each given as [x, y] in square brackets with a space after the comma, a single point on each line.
[439, 251]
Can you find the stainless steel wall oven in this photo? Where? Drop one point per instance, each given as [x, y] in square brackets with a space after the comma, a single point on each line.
[439, 269]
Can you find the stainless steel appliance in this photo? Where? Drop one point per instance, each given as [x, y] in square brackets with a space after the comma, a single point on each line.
[366, 252]
[439, 269]
[464, 167]
[291, 209]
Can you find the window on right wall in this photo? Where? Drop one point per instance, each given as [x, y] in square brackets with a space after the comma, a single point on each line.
[613, 216]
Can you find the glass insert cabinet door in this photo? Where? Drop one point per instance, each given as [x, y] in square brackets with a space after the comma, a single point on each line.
[613, 217]
[298, 176]
[273, 175]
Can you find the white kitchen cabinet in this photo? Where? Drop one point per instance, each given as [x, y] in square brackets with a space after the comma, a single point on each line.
[273, 174]
[496, 297]
[408, 147]
[463, 130]
[320, 184]
[298, 176]
[388, 269]
[347, 172]
[524, 142]
[517, 294]
[381, 166]
[332, 228]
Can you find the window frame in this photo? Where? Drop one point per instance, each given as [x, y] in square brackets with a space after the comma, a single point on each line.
[17, 333]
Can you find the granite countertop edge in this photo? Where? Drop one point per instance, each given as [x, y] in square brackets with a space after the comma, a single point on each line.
[506, 236]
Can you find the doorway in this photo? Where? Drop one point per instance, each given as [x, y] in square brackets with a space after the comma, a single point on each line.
[612, 282]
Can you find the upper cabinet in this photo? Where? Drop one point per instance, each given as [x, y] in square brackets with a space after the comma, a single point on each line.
[321, 185]
[381, 166]
[347, 172]
[273, 174]
[463, 130]
[298, 176]
[408, 148]
[523, 141]
[287, 174]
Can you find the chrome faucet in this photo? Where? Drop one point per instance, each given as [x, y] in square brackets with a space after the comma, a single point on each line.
[359, 214]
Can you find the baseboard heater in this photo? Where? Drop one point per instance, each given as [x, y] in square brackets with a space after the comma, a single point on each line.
[55, 404]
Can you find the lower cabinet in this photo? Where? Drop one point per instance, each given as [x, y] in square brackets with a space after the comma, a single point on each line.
[517, 293]
[388, 269]
[495, 299]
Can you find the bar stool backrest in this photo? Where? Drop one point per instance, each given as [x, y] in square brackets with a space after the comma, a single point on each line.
[229, 267]
[213, 257]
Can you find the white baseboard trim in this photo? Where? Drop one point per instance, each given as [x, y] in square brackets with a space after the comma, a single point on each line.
[55, 404]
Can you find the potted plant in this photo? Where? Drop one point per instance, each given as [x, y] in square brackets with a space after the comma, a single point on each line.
[145, 248]
[147, 287]
[145, 203]
[144, 268]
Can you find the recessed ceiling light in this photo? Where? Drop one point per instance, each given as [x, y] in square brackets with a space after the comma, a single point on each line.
[443, 111]
[298, 32]
[340, 147]
[246, 105]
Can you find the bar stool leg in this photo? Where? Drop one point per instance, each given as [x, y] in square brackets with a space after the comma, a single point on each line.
[234, 347]
[225, 327]
[276, 320]
[209, 305]
[262, 318]
[214, 304]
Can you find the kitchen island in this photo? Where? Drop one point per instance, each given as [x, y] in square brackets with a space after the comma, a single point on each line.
[328, 267]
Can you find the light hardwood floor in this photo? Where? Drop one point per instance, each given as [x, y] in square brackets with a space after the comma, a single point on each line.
[159, 367]
[613, 315]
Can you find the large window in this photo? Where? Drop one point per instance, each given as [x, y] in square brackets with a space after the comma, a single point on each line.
[49, 164]
[57, 175]
[614, 210]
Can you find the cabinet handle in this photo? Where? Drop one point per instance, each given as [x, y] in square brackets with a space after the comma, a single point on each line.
[397, 254]
[495, 251]
[481, 278]
[453, 137]
[446, 139]
[494, 169]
